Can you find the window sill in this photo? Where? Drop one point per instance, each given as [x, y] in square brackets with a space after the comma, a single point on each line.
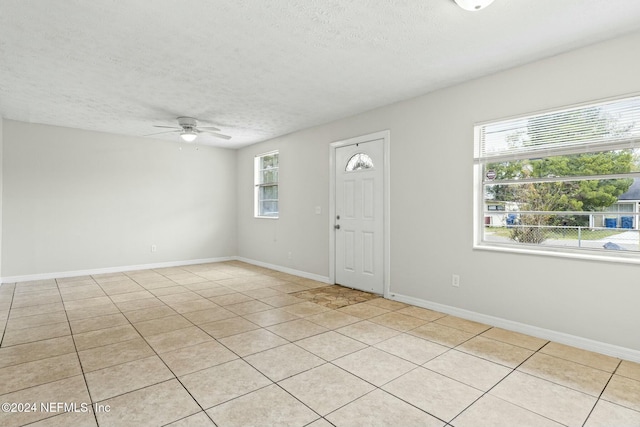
[625, 258]
[266, 217]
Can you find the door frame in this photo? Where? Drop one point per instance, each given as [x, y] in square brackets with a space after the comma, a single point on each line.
[385, 136]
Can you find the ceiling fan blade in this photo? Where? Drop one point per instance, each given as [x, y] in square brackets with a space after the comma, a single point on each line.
[216, 134]
[209, 128]
[168, 127]
[160, 133]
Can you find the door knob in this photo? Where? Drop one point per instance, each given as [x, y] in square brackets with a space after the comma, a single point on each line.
[337, 226]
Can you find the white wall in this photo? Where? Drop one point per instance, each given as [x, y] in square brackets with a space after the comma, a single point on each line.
[302, 174]
[1, 185]
[79, 200]
[431, 169]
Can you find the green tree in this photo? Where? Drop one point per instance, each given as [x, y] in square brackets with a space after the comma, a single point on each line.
[591, 195]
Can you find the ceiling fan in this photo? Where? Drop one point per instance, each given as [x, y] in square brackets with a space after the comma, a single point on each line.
[188, 129]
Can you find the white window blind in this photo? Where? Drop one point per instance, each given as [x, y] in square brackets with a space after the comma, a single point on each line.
[608, 125]
[561, 182]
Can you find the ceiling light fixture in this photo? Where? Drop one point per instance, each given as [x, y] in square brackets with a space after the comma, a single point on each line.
[473, 5]
[188, 135]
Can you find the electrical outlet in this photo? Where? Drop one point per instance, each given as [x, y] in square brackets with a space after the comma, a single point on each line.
[289, 255]
[455, 280]
[154, 248]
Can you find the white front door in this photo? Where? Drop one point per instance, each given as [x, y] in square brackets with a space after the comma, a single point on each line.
[359, 224]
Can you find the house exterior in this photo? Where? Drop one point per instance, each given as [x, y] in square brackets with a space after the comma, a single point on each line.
[622, 213]
[499, 213]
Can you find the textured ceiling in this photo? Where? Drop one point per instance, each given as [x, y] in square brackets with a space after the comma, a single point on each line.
[259, 69]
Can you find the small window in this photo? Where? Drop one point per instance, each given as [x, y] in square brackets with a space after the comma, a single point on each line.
[266, 185]
[358, 162]
[564, 181]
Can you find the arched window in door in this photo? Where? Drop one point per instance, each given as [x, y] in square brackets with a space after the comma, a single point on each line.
[358, 162]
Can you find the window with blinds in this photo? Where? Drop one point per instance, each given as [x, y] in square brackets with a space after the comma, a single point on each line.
[549, 182]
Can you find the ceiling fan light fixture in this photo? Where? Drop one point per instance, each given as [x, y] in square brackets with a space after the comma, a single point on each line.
[473, 5]
[188, 135]
[189, 131]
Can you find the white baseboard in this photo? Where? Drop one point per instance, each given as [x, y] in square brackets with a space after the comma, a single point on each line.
[547, 334]
[316, 277]
[58, 275]
[120, 269]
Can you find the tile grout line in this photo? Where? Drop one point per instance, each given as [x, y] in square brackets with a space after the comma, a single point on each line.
[118, 364]
[6, 323]
[173, 373]
[382, 350]
[156, 354]
[449, 349]
[84, 377]
[574, 362]
[484, 393]
[276, 383]
[331, 362]
[516, 368]
[552, 382]
[602, 392]
[387, 392]
[76, 350]
[414, 369]
[326, 362]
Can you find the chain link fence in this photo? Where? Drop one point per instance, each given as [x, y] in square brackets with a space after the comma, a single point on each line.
[605, 238]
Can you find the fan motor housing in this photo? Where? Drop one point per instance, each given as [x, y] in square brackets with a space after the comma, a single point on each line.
[187, 122]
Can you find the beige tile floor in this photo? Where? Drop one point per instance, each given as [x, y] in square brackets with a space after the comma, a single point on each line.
[232, 344]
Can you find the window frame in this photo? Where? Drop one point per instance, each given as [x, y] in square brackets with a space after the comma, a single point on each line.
[258, 185]
[479, 182]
